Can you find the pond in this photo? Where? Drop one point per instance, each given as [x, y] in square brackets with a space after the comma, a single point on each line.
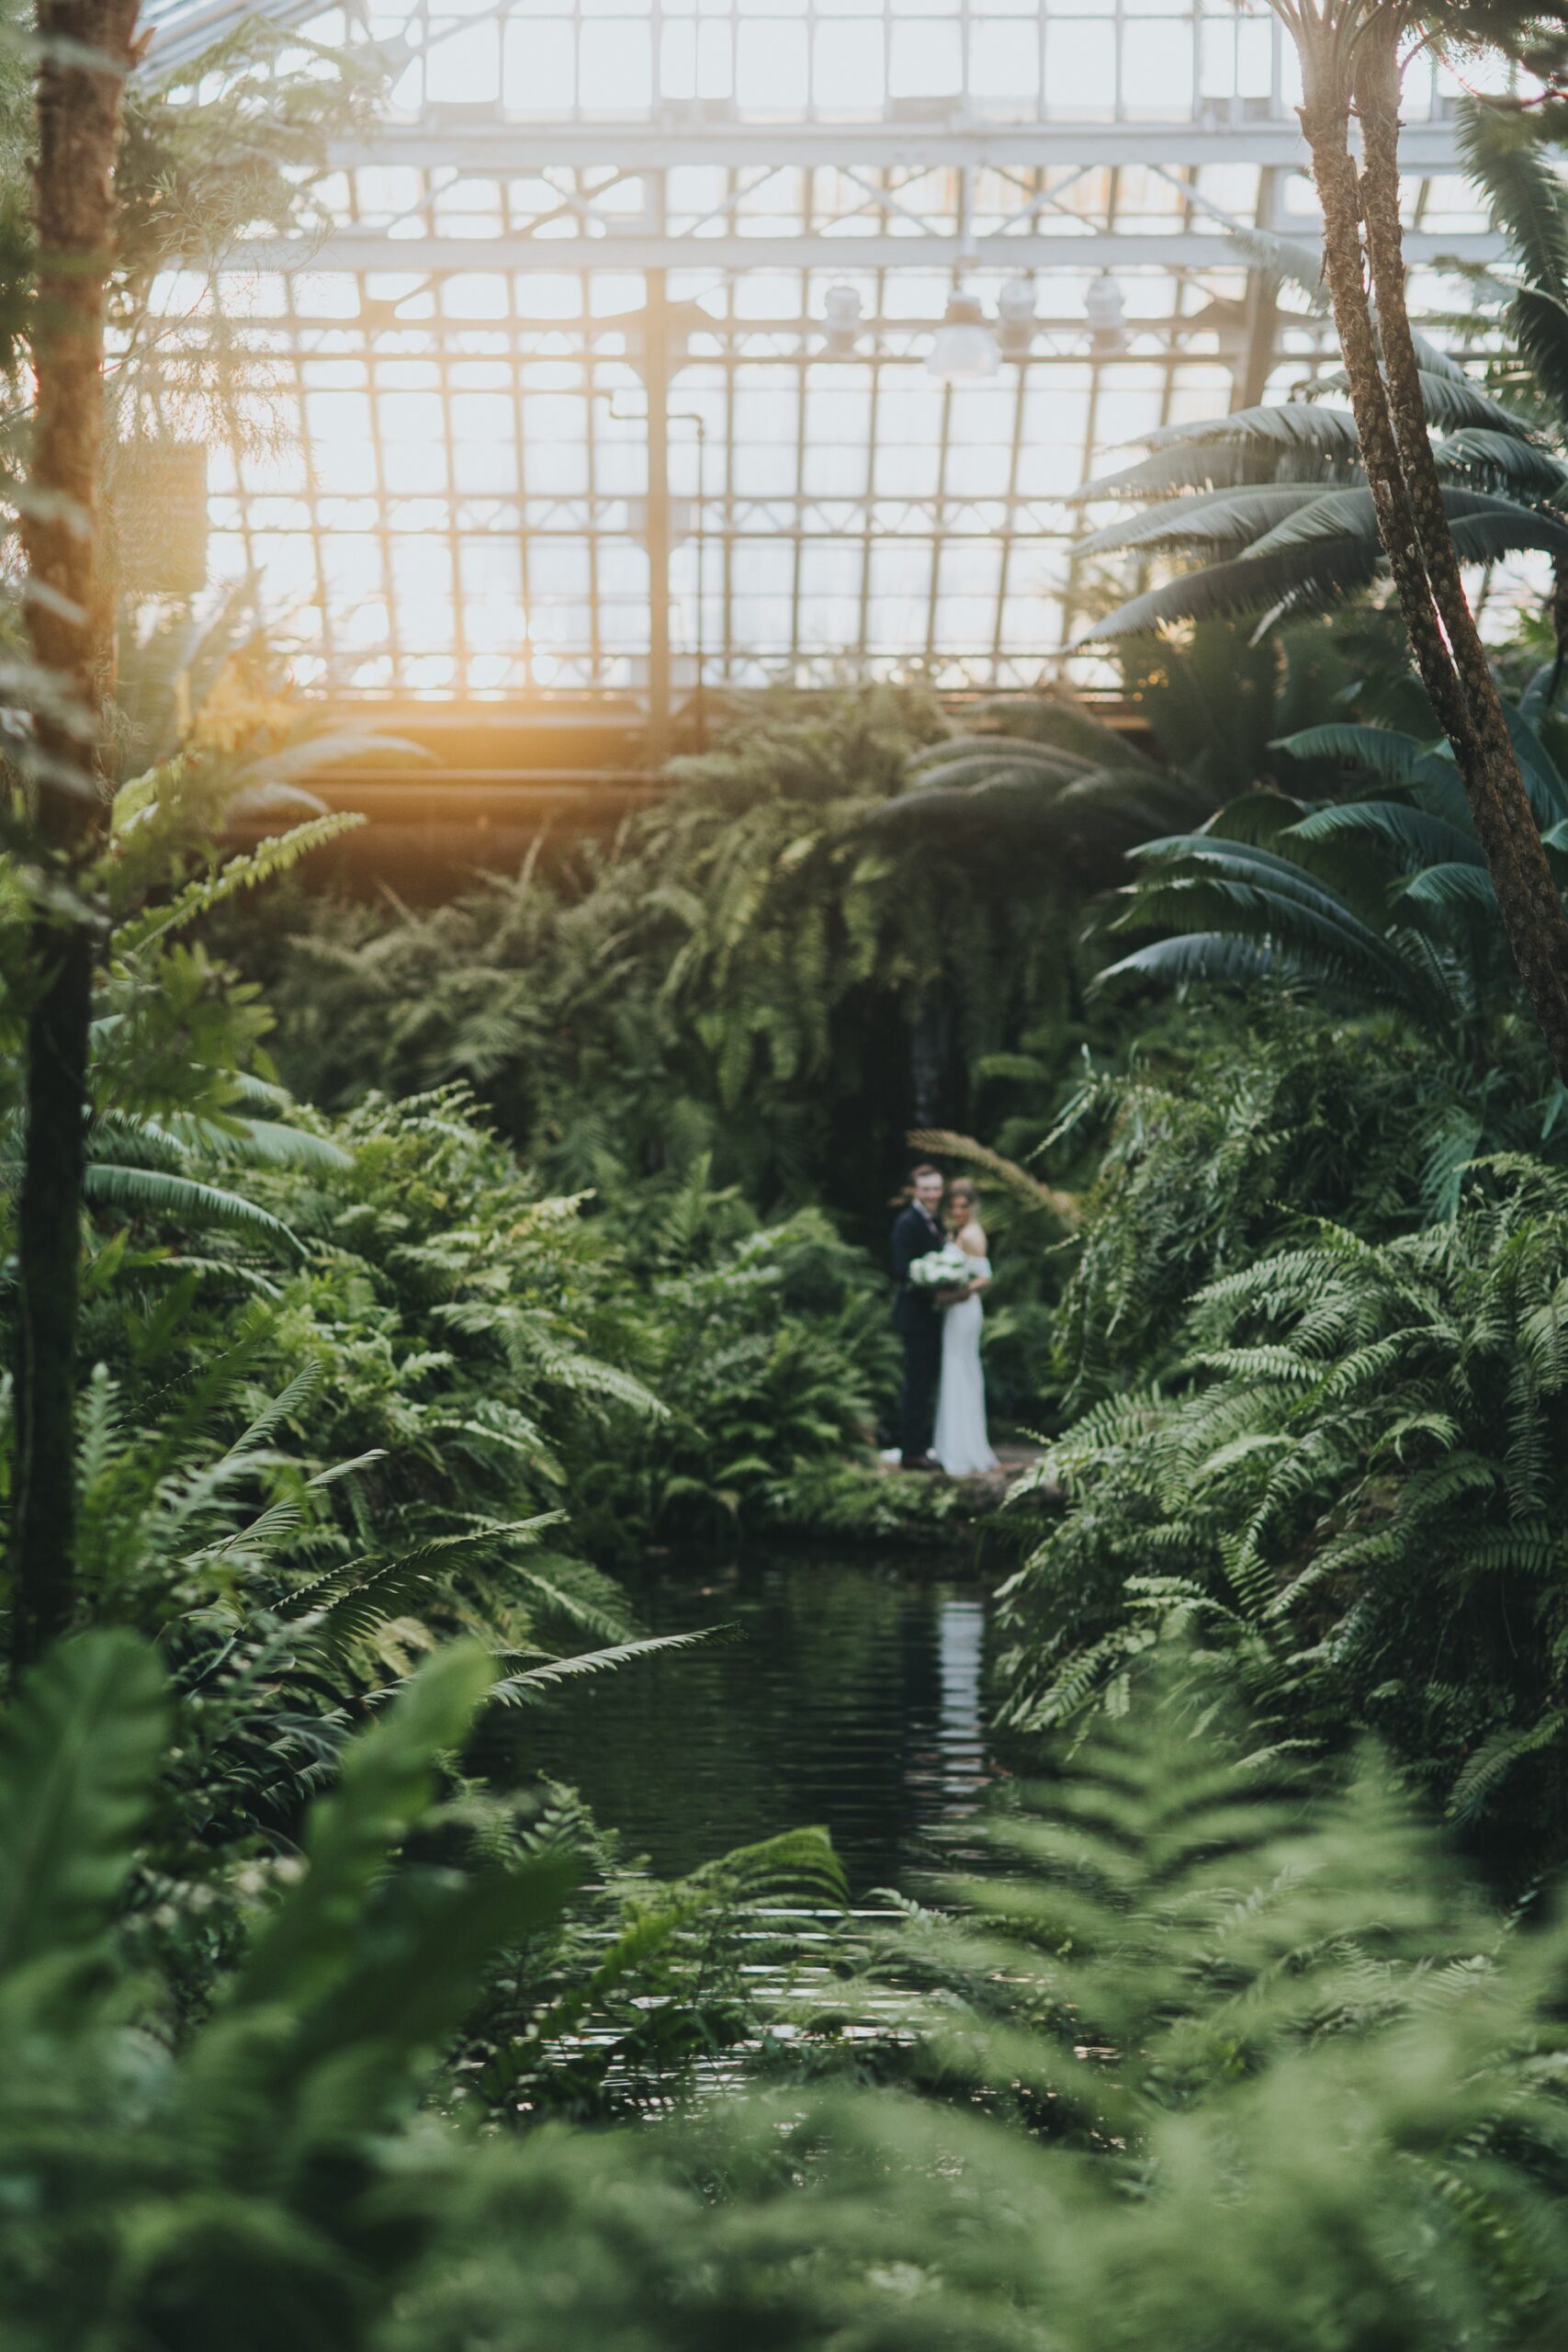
[851, 1693]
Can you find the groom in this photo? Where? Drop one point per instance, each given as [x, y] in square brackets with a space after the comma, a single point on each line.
[916, 1230]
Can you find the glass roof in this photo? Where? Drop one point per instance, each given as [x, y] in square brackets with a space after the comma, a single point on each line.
[753, 215]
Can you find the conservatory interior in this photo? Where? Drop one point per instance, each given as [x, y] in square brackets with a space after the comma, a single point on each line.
[784, 1176]
[632, 356]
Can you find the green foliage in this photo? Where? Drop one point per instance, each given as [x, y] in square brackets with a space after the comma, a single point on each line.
[1350, 1484]
[77, 1750]
[489, 1353]
[746, 975]
[1053, 772]
[1219, 1139]
[1382, 902]
[1272, 502]
[235, 2189]
[1192, 1985]
[643, 1987]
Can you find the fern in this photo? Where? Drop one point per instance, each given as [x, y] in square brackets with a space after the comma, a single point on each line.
[79, 1747]
[1355, 1470]
[248, 871]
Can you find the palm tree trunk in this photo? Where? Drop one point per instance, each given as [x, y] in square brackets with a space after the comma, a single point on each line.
[1528, 897]
[1559, 630]
[1408, 494]
[70, 634]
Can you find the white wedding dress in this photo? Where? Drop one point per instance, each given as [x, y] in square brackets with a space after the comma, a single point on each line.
[961, 1444]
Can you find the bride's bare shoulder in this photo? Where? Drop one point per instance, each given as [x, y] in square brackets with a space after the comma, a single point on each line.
[972, 1239]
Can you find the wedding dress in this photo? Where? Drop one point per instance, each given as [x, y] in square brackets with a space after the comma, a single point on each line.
[961, 1444]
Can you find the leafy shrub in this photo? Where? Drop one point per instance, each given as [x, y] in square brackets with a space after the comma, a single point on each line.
[655, 1365]
[1225, 1130]
[234, 2190]
[1194, 1988]
[1354, 1487]
[750, 973]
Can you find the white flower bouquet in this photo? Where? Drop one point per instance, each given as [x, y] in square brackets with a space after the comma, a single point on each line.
[944, 1269]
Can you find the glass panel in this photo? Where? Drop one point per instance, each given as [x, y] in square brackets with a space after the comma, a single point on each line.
[467, 510]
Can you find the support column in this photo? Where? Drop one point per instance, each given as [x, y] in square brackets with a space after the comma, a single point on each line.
[1263, 309]
[656, 379]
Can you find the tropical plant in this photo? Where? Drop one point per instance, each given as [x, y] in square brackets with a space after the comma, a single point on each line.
[1215, 707]
[640, 1989]
[1387, 901]
[1223, 1998]
[751, 974]
[1215, 1984]
[1351, 54]
[1218, 1139]
[1273, 501]
[1348, 1482]
[236, 2186]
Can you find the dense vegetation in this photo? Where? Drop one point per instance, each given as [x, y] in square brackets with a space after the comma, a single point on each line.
[1300, 2016]
[418, 1270]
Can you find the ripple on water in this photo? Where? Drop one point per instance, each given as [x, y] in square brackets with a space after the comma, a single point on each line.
[851, 1695]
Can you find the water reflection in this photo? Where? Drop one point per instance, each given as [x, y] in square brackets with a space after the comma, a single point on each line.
[851, 1695]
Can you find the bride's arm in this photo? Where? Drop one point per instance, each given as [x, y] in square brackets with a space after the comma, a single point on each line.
[973, 1239]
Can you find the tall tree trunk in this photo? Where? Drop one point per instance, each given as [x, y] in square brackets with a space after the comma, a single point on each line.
[1559, 630]
[1408, 494]
[70, 634]
[1528, 897]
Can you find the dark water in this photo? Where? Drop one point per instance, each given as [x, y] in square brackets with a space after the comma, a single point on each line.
[851, 1695]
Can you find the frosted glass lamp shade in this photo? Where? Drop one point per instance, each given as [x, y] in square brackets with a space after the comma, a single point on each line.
[1103, 307]
[841, 312]
[1015, 313]
[964, 345]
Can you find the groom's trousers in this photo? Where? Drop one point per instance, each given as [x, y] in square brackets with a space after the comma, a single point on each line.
[921, 1334]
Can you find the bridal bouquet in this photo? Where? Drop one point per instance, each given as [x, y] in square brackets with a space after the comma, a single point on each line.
[948, 1268]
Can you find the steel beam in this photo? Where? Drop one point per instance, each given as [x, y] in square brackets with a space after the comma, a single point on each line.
[360, 249]
[508, 150]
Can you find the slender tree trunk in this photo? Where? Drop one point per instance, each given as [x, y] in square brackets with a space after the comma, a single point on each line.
[1559, 630]
[1407, 493]
[1528, 897]
[70, 634]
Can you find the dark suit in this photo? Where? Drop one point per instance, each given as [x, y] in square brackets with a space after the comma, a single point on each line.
[918, 1322]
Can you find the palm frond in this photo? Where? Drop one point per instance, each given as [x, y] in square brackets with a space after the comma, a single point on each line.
[1503, 459]
[1286, 424]
[1252, 584]
[155, 1193]
[535, 1682]
[1541, 325]
[1412, 832]
[249, 1142]
[1227, 517]
[1225, 956]
[950, 1145]
[1213, 465]
[1506, 157]
[1454, 887]
[1395, 758]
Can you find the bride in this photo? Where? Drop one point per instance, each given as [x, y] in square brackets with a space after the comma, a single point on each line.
[960, 1443]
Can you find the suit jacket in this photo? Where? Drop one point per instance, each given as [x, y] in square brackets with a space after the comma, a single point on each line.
[914, 1235]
